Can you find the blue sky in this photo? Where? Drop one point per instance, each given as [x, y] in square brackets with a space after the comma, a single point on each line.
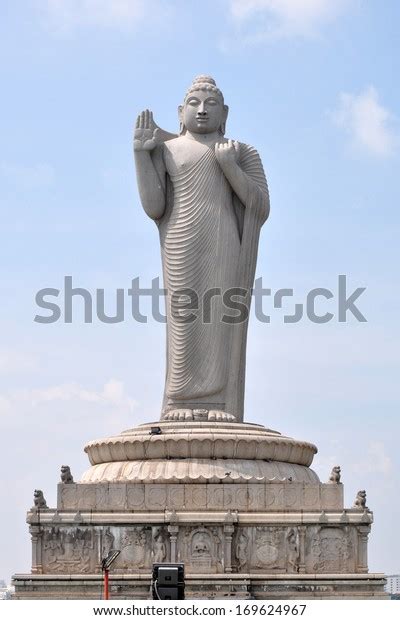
[312, 85]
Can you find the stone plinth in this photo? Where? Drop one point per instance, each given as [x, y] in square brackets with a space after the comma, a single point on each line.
[237, 503]
[197, 440]
[200, 452]
[202, 586]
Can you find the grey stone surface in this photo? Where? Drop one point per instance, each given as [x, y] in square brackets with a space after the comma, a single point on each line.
[267, 554]
[66, 476]
[209, 198]
[214, 540]
[200, 451]
[39, 500]
[203, 586]
[140, 497]
[335, 474]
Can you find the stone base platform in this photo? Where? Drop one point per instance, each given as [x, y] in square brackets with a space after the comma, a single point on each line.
[237, 503]
[200, 586]
[199, 452]
[276, 552]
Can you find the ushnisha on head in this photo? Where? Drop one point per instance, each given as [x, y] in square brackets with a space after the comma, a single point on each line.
[203, 110]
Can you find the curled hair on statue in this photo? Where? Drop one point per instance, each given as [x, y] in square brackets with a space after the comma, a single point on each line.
[204, 82]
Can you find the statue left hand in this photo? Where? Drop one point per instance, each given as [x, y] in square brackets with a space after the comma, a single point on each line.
[227, 153]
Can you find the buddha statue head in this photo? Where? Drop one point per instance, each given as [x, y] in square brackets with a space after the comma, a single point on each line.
[203, 110]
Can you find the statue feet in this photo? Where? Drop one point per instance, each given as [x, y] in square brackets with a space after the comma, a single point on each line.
[198, 415]
[178, 415]
[220, 416]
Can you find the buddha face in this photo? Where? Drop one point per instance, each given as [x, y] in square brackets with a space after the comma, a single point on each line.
[203, 112]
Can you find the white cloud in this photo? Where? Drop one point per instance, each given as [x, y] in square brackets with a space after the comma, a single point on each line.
[112, 396]
[366, 121]
[33, 176]
[285, 18]
[113, 393]
[67, 15]
[376, 460]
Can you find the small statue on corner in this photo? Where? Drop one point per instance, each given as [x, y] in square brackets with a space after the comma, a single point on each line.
[66, 476]
[334, 478]
[360, 501]
[39, 500]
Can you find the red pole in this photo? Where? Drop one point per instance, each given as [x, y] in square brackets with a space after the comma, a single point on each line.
[106, 596]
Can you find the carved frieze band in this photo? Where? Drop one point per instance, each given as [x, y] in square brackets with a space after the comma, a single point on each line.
[204, 548]
[191, 497]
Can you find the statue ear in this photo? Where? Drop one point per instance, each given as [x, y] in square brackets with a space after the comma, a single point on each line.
[180, 116]
[224, 117]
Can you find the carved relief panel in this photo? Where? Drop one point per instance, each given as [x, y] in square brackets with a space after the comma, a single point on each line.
[266, 549]
[201, 548]
[330, 550]
[135, 544]
[69, 550]
[79, 549]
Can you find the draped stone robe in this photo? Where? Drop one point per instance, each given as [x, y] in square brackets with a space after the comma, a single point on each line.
[209, 240]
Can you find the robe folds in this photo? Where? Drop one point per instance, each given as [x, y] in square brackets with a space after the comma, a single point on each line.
[209, 243]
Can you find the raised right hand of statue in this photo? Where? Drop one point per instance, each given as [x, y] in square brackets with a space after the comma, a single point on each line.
[146, 132]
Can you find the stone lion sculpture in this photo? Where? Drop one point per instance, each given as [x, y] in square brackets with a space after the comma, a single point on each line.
[360, 501]
[335, 475]
[38, 499]
[66, 476]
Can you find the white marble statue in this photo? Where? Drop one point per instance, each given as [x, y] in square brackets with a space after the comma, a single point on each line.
[209, 198]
